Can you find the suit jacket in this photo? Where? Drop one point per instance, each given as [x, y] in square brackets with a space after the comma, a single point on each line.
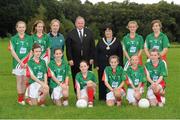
[77, 50]
[102, 54]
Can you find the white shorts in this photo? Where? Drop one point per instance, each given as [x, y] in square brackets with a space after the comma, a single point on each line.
[33, 90]
[110, 95]
[83, 93]
[17, 71]
[130, 94]
[57, 93]
[150, 93]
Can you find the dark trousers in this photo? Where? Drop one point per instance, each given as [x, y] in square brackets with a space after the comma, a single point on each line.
[74, 71]
[102, 87]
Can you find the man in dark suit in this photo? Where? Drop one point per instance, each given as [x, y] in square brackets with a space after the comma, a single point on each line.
[80, 46]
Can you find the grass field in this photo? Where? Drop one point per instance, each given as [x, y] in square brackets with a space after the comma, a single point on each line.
[9, 108]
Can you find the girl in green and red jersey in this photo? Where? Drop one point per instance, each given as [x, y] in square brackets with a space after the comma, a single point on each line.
[156, 71]
[39, 36]
[157, 40]
[38, 88]
[114, 78]
[133, 43]
[135, 78]
[85, 84]
[20, 46]
[59, 71]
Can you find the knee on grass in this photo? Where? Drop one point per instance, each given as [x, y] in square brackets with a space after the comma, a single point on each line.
[110, 103]
[137, 95]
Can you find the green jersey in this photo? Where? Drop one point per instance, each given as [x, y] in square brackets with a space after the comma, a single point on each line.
[56, 42]
[156, 71]
[22, 47]
[81, 82]
[132, 46]
[136, 76]
[114, 79]
[60, 72]
[37, 69]
[43, 41]
[159, 43]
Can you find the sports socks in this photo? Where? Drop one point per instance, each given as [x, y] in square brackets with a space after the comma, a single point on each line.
[158, 97]
[20, 97]
[90, 92]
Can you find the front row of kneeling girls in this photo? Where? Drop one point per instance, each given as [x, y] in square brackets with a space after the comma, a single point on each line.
[155, 71]
[114, 78]
[135, 77]
[38, 87]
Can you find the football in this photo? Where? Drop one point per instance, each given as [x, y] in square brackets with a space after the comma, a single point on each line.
[81, 103]
[143, 103]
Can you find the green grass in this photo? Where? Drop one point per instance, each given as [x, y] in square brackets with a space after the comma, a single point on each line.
[10, 109]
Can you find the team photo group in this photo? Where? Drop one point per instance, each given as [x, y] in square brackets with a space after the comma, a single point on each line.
[41, 68]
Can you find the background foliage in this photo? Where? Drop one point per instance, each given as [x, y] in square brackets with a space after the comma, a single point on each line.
[96, 15]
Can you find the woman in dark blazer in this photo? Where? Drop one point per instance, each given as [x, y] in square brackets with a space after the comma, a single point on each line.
[107, 46]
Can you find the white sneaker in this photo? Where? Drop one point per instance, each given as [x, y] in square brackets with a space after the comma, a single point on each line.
[43, 105]
[22, 103]
[65, 103]
[160, 104]
[163, 99]
[90, 104]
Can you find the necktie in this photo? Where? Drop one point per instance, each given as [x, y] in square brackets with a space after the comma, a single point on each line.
[80, 35]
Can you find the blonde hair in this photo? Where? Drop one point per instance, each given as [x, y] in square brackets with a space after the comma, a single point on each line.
[20, 22]
[156, 21]
[53, 21]
[135, 55]
[35, 25]
[132, 22]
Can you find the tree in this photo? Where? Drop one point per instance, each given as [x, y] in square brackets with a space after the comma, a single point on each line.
[66, 26]
[12, 11]
[38, 16]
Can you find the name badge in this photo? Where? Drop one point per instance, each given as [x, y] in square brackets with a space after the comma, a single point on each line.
[114, 84]
[59, 78]
[39, 75]
[155, 78]
[133, 49]
[23, 50]
[156, 47]
[136, 81]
